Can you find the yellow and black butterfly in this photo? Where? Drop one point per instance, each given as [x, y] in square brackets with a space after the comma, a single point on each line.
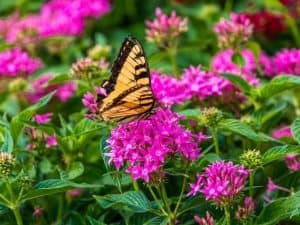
[128, 91]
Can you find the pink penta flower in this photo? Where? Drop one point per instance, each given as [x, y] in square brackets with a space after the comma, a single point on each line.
[284, 131]
[16, 62]
[51, 141]
[207, 220]
[144, 146]
[42, 118]
[244, 211]
[292, 161]
[164, 29]
[233, 32]
[287, 61]
[271, 186]
[221, 182]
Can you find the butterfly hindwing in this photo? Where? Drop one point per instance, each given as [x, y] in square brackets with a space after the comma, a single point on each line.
[129, 93]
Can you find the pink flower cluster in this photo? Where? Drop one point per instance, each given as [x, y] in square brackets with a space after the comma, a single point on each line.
[167, 89]
[222, 63]
[287, 61]
[292, 161]
[284, 131]
[41, 87]
[233, 32]
[164, 29]
[56, 17]
[145, 145]
[42, 118]
[244, 211]
[221, 182]
[208, 220]
[15, 62]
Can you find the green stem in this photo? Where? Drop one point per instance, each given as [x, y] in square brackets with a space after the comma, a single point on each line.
[293, 27]
[157, 201]
[228, 6]
[215, 139]
[17, 215]
[181, 195]
[227, 215]
[60, 209]
[251, 182]
[88, 79]
[135, 185]
[5, 199]
[166, 202]
[172, 54]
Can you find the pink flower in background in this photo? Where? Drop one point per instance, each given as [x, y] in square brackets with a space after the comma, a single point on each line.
[222, 63]
[163, 29]
[244, 211]
[287, 61]
[15, 62]
[75, 192]
[292, 161]
[90, 102]
[56, 18]
[204, 84]
[42, 118]
[284, 131]
[267, 65]
[168, 90]
[273, 187]
[38, 211]
[51, 141]
[208, 220]
[233, 32]
[221, 182]
[145, 145]
[41, 87]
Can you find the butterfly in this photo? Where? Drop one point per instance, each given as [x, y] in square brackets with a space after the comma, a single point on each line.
[128, 94]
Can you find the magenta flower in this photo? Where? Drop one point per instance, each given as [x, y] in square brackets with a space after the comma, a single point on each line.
[56, 18]
[41, 87]
[284, 131]
[208, 220]
[292, 162]
[244, 211]
[75, 192]
[168, 90]
[51, 141]
[202, 84]
[222, 63]
[15, 62]
[287, 61]
[267, 65]
[163, 30]
[145, 145]
[233, 32]
[221, 182]
[273, 187]
[42, 118]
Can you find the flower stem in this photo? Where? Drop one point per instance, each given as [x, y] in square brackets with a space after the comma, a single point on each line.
[251, 182]
[17, 215]
[181, 195]
[172, 54]
[157, 201]
[215, 139]
[228, 6]
[227, 215]
[135, 185]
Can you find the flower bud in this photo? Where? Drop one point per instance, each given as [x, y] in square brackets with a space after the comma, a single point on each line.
[245, 211]
[17, 85]
[24, 181]
[251, 159]
[210, 116]
[7, 162]
[99, 51]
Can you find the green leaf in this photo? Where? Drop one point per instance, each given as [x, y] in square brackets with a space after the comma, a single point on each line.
[280, 209]
[296, 129]
[238, 127]
[17, 123]
[278, 152]
[212, 157]
[277, 85]
[191, 113]
[158, 220]
[59, 79]
[54, 186]
[76, 169]
[238, 59]
[240, 83]
[8, 145]
[131, 200]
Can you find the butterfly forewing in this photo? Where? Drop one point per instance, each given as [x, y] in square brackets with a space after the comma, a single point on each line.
[128, 90]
